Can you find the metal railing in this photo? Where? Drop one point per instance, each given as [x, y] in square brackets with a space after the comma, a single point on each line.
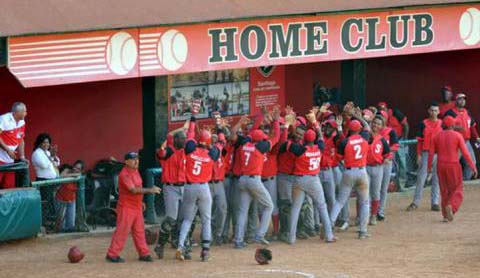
[22, 174]
[153, 202]
[49, 214]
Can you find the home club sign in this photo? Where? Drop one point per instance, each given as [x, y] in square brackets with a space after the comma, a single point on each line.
[135, 52]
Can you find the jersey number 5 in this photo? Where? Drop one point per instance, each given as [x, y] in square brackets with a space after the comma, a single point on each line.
[358, 151]
[314, 164]
[197, 168]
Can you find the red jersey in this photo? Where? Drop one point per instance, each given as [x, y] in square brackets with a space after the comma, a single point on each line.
[446, 145]
[308, 162]
[426, 131]
[129, 178]
[67, 192]
[228, 158]
[396, 120]
[378, 151]
[444, 107]
[465, 121]
[237, 164]
[173, 165]
[391, 137]
[270, 165]
[219, 165]
[199, 166]
[285, 159]
[329, 158]
[252, 157]
[353, 150]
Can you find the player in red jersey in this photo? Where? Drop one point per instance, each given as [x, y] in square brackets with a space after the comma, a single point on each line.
[307, 182]
[447, 144]
[446, 102]
[353, 150]
[200, 158]
[378, 154]
[172, 159]
[428, 129]
[252, 157]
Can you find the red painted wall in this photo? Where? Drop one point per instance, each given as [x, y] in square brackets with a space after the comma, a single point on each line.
[300, 79]
[412, 82]
[88, 121]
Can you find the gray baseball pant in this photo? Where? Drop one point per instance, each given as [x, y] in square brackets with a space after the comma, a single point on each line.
[219, 201]
[467, 172]
[354, 177]
[422, 174]
[284, 186]
[375, 175]
[345, 213]
[311, 186]
[271, 186]
[387, 173]
[196, 194]
[251, 188]
[328, 182]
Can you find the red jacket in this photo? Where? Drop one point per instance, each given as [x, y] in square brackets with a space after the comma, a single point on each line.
[446, 145]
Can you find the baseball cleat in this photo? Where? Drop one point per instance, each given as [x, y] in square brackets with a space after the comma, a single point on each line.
[449, 212]
[262, 240]
[412, 207]
[435, 207]
[363, 235]
[205, 256]
[332, 240]
[146, 258]
[302, 235]
[187, 255]
[114, 259]
[239, 245]
[179, 255]
[445, 220]
[344, 226]
[160, 251]
[373, 220]
[380, 217]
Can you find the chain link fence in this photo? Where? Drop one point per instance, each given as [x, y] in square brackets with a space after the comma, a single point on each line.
[404, 171]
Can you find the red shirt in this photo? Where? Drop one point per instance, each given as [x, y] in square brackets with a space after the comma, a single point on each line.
[173, 165]
[129, 178]
[446, 145]
[237, 164]
[199, 167]
[251, 159]
[286, 160]
[228, 158]
[219, 165]
[353, 150]
[378, 151]
[270, 165]
[309, 162]
[444, 107]
[67, 192]
[329, 158]
[427, 130]
[396, 121]
[465, 121]
[12, 134]
[391, 137]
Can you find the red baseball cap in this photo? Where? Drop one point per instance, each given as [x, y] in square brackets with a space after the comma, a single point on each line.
[205, 137]
[258, 135]
[309, 136]
[332, 123]
[355, 126]
[448, 121]
[447, 87]
[382, 103]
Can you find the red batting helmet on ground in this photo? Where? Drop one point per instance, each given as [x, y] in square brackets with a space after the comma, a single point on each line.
[75, 255]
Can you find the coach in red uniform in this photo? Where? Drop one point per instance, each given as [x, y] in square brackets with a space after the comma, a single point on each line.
[129, 212]
[12, 146]
[353, 150]
[446, 145]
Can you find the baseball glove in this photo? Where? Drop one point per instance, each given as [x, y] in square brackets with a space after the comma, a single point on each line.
[151, 236]
[263, 256]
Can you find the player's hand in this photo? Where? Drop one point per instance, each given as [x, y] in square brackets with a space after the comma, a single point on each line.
[311, 117]
[53, 150]
[475, 174]
[264, 110]
[244, 120]
[164, 145]
[276, 112]
[155, 190]
[23, 159]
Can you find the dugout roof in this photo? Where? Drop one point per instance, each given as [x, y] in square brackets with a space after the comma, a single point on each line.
[51, 16]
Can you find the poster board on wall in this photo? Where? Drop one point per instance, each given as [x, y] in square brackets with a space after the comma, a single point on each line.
[233, 93]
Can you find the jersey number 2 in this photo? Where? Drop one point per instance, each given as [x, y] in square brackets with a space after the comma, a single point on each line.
[358, 151]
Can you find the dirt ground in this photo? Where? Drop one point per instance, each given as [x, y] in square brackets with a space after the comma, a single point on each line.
[414, 244]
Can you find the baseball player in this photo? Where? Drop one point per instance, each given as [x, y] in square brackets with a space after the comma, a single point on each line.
[447, 145]
[307, 181]
[427, 130]
[217, 189]
[252, 157]
[391, 137]
[129, 212]
[446, 104]
[329, 161]
[353, 150]
[172, 159]
[466, 125]
[198, 170]
[378, 154]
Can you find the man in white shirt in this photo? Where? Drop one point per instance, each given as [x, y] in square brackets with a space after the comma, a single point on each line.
[12, 145]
